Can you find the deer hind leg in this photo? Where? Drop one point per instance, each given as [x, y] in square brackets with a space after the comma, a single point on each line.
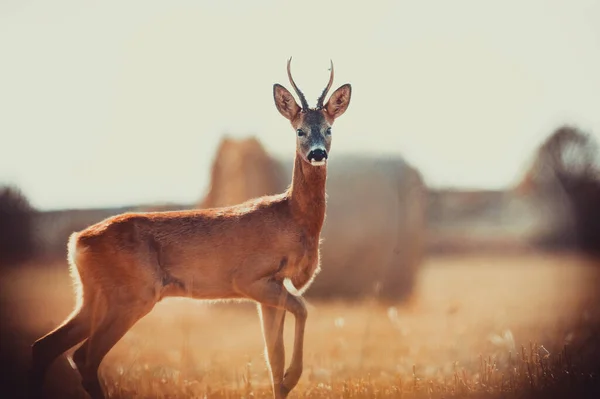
[72, 331]
[46, 349]
[272, 325]
[80, 355]
[272, 293]
[120, 318]
[98, 315]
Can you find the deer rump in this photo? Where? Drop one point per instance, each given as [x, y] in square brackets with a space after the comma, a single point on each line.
[372, 238]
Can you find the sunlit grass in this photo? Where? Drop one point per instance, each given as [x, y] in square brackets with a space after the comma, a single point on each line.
[480, 327]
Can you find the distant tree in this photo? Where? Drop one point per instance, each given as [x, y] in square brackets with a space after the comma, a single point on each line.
[567, 164]
[16, 226]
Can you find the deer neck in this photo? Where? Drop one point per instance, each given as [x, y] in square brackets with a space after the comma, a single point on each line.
[307, 195]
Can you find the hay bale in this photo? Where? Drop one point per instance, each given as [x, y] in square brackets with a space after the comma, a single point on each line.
[242, 169]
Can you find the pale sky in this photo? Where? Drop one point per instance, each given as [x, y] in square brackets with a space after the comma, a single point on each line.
[123, 102]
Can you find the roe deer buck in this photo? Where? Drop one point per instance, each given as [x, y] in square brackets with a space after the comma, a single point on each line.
[125, 264]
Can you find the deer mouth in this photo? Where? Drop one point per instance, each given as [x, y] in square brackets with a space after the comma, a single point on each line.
[318, 163]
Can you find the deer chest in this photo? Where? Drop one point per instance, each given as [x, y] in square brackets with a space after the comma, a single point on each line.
[304, 267]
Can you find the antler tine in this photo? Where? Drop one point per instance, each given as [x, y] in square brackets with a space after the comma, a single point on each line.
[298, 92]
[322, 98]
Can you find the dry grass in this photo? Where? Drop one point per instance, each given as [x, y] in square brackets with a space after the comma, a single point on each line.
[511, 326]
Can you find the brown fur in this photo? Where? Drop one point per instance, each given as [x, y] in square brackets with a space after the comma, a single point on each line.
[125, 264]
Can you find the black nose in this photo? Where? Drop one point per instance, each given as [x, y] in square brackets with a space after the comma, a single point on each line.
[317, 155]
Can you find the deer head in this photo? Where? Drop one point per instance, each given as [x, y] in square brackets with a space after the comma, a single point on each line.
[312, 125]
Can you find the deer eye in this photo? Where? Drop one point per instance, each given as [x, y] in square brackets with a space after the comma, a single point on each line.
[300, 133]
[328, 131]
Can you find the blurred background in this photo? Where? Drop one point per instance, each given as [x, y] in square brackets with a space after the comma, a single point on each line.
[463, 188]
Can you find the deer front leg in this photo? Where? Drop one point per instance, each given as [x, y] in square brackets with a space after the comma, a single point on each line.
[294, 372]
[272, 293]
[272, 325]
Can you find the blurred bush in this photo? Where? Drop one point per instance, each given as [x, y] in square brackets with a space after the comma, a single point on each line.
[565, 177]
[17, 241]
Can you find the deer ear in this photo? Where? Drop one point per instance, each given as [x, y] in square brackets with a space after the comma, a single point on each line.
[285, 103]
[339, 101]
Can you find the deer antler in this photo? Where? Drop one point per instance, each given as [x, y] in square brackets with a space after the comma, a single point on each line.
[298, 92]
[322, 98]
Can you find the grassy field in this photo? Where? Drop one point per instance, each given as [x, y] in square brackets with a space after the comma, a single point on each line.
[510, 326]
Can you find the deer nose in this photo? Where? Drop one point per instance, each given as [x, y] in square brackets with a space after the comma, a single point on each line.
[317, 156]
